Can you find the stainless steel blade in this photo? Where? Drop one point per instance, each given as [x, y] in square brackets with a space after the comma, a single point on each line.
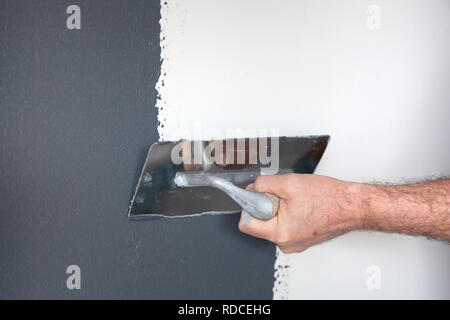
[156, 194]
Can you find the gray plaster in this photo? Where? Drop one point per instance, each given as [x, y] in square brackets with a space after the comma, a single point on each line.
[77, 117]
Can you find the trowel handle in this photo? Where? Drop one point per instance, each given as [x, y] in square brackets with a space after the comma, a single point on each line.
[276, 203]
[262, 206]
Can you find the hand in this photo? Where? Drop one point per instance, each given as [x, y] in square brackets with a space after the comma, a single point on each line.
[312, 209]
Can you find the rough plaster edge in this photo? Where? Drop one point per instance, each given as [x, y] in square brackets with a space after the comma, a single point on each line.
[160, 85]
[282, 270]
[282, 267]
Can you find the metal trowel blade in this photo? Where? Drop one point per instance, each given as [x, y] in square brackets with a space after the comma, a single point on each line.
[240, 161]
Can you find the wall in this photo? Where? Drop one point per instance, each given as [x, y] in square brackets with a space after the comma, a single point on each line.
[77, 116]
[324, 67]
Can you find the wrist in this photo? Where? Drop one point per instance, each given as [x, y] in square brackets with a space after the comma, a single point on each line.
[356, 209]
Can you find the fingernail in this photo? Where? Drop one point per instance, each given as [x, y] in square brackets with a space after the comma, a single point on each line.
[245, 219]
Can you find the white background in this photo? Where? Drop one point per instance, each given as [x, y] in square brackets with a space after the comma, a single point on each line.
[315, 67]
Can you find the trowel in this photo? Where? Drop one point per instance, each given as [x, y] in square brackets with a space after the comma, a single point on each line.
[187, 178]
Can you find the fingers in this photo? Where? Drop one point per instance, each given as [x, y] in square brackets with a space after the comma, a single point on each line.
[257, 228]
[274, 184]
[250, 187]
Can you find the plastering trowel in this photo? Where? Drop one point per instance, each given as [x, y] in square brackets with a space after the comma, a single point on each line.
[185, 178]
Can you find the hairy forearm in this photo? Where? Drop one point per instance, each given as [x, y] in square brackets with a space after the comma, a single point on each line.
[416, 209]
[316, 208]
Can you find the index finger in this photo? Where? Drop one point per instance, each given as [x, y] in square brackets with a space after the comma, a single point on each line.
[274, 184]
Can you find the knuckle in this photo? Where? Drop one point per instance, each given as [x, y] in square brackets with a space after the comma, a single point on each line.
[269, 236]
[259, 183]
[242, 227]
[282, 239]
[282, 249]
[285, 236]
[287, 250]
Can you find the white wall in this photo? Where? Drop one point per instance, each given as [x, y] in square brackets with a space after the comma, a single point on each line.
[314, 67]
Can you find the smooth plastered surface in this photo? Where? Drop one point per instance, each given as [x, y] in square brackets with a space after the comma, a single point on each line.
[319, 67]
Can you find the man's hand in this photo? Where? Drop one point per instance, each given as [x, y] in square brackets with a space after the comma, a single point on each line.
[312, 209]
[316, 208]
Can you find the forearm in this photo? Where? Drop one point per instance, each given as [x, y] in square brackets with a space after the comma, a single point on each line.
[417, 209]
[317, 208]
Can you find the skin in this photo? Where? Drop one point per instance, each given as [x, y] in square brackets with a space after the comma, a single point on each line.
[316, 208]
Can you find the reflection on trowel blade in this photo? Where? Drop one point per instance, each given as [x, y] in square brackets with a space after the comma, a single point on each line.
[157, 195]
